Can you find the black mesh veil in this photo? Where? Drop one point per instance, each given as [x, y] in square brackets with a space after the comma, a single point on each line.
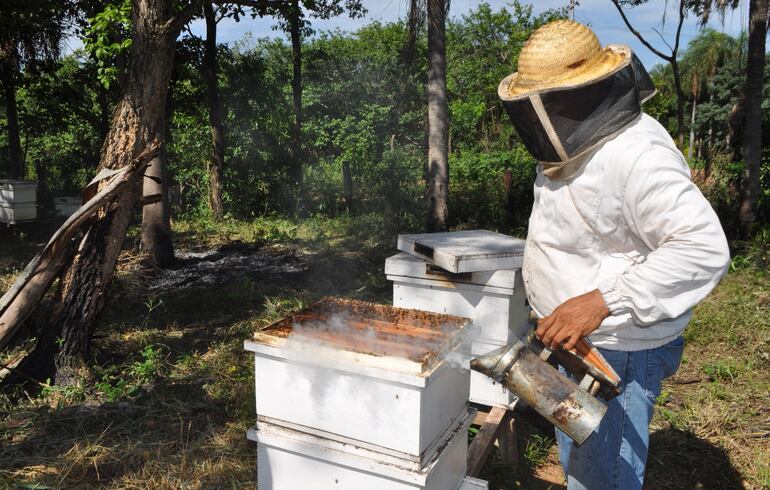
[581, 116]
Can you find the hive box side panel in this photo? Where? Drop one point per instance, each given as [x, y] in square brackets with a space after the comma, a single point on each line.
[296, 460]
[17, 212]
[449, 471]
[18, 192]
[363, 408]
[485, 390]
[278, 469]
[447, 393]
[490, 313]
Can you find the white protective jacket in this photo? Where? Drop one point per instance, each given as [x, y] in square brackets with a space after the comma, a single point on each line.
[632, 224]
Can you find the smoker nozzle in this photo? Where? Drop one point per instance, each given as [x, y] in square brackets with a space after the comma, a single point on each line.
[560, 400]
[496, 363]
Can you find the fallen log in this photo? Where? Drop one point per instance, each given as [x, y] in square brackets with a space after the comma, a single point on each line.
[29, 288]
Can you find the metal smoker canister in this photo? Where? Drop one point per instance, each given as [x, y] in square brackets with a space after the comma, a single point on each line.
[563, 402]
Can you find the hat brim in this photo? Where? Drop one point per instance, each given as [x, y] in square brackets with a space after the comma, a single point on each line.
[611, 59]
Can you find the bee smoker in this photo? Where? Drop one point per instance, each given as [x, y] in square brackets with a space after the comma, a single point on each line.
[570, 406]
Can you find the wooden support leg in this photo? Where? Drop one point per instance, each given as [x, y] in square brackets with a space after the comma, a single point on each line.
[506, 438]
[481, 445]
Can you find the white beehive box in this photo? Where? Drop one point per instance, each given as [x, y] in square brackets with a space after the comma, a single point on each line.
[66, 205]
[290, 460]
[18, 201]
[495, 301]
[18, 192]
[375, 384]
[465, 251]
[485, 390]
[14, 213]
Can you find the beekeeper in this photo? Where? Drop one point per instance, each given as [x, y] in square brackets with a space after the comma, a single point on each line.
[621, 244]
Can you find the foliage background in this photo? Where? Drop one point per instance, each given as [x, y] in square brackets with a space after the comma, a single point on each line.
[364, 108]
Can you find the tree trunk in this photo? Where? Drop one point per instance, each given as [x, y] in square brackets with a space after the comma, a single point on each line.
[692, 126]
[103, 99]
[16, 163]
[210, 71]
[296, 91]
[752, 131]
[157, 243]
[415, 16]
[137, 119]
[709, 142]
[438, 165]
[679, 103]
[347, 186]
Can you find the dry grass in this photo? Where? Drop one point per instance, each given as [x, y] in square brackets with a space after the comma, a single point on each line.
[717, 424]
[171, 395]
[712, 424]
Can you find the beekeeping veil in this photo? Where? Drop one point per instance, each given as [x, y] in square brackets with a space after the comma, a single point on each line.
[569, 95]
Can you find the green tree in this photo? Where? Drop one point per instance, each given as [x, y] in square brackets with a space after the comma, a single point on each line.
[293, 18]
[670, 58]
[30, 31]
[704, 56]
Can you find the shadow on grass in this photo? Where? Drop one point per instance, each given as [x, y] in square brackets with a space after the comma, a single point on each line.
[187, 425]
[167, 437]
[677, 460]
[680, 459]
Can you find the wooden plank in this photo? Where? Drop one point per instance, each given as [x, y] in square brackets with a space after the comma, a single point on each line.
[507, 442]
[481, 445]
[480, 418]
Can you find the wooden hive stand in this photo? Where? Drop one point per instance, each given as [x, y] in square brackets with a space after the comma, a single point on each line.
[495, 425]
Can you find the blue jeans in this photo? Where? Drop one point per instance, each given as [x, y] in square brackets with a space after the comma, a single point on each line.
[614, 456]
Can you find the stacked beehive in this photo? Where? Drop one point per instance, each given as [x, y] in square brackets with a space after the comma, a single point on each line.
[351, 395]
[18, 201]
[474, 274]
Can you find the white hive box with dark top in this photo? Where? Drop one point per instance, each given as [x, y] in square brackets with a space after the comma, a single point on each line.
[492, 296]
[18, 201]
[347, 370]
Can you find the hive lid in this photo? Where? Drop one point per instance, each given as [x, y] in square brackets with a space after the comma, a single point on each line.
[465, 251]
[7, 183]
[368, 335]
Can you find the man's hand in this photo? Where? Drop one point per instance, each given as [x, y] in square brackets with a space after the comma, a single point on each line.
[572, 320]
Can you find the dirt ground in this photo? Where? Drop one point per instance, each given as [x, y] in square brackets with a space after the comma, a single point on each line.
[170, 396]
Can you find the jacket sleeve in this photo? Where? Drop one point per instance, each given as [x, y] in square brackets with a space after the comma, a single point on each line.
[689, 251]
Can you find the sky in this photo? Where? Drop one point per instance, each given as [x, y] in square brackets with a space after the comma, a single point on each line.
[600, 15]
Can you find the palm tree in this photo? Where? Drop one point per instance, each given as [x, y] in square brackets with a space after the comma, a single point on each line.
[752, 131]
[672, 58]
[752, 106]
[704, 55]
[438, 117]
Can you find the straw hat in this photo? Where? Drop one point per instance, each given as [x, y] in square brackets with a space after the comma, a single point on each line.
[562, 53]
